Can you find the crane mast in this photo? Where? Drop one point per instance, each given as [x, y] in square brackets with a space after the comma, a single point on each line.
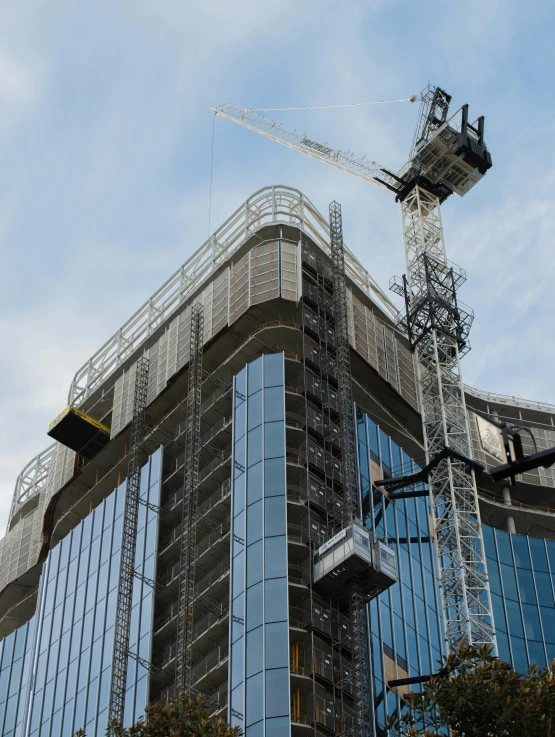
[437, 325]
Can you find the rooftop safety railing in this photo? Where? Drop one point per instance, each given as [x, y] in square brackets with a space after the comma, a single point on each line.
[32, 479]
[509, 400]
[269, 205]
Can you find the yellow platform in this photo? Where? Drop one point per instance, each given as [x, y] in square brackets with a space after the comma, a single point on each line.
[78, 431]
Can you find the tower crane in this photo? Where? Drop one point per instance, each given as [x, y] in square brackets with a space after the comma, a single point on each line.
[448, 155]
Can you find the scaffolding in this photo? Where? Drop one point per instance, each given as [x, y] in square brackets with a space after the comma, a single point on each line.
[128, 546]
[183, 680]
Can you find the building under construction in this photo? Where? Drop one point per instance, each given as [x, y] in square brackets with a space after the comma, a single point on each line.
[208, 518]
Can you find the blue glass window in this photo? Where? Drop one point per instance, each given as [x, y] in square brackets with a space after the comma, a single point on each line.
[274, 516]
[254, 449]
[274, 439]
[274, 370]
[254, 698]
[254, 370]
[275, 556]
[254, 410]
[539, 555]
[254, 483]
[531, 622]
[493, 573]
[254, 606]
[514, 618]
[548, 620]
[277, 645]
[520, 655]
[275, 599]
[274, 477]
[277, 727]
[509, 581]
[489, 543]
[550, 545]
[254, 564]
[521, 552]
[536, 653]
[526, 586]
[254, 522]
[277, 692]
[545, 592]
[504, 547]
[273, 404]
[255, 651]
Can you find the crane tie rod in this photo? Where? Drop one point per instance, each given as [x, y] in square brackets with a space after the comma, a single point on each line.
[412, 98]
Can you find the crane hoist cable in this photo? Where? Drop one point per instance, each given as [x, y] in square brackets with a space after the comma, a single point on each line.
[412, 98]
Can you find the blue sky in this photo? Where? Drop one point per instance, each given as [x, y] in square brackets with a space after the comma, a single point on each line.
[105, 141]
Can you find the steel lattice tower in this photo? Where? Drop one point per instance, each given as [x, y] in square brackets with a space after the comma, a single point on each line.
[128, 545]
[190, 505]
[357, 603]
[438, 326]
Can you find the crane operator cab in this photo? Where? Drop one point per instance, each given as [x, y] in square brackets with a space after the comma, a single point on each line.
[453, 159]
[354, 553]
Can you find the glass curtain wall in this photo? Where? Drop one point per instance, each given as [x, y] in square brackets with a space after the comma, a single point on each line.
[406, 635]
[522, 580]
[15, 666]
[71, 638]
[259, 641]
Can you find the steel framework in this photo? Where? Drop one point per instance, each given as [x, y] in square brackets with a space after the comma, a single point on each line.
[439, 337]
[190, 506]
[128, 545]
[361, 725]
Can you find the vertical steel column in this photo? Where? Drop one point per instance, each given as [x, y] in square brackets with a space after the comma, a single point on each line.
[190, 505]
[456, 515]
[357, 610]
[128, 545]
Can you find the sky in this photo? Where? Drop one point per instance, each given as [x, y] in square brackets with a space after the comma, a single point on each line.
[106, 147]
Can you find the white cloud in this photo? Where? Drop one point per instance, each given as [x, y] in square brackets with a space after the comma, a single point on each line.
[17, 82]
